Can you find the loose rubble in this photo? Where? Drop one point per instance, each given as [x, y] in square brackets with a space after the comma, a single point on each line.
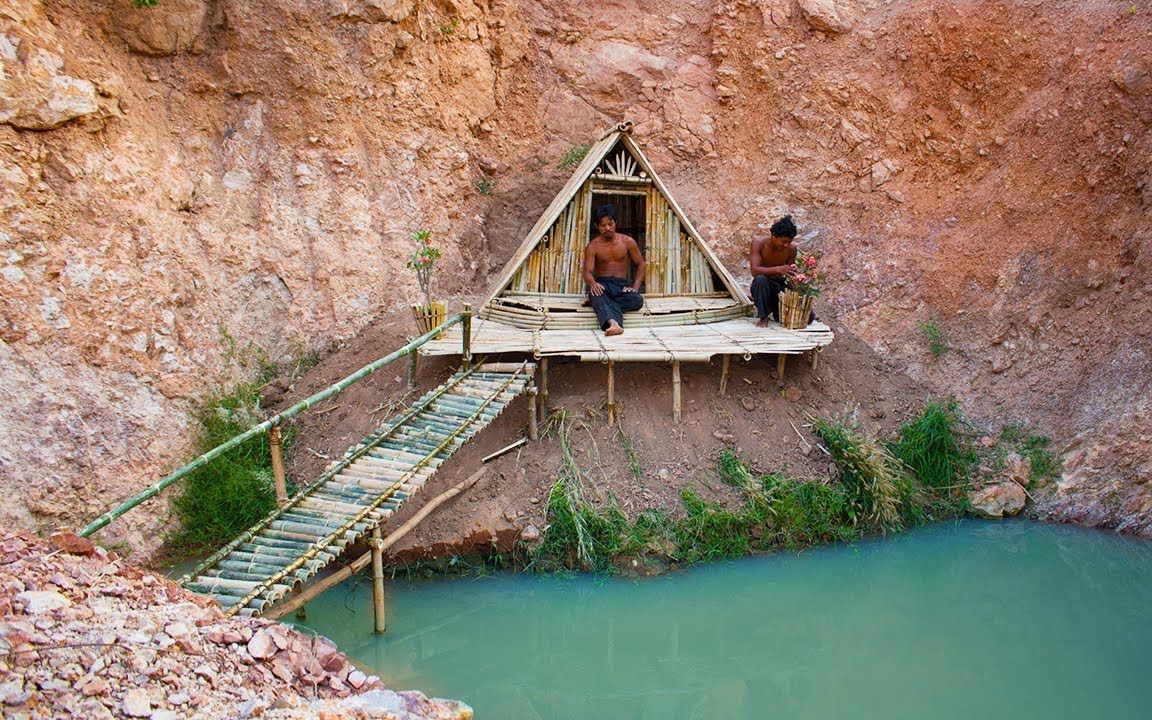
[91, 636]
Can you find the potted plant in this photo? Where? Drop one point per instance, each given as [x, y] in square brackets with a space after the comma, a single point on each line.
[423, 261]
[803, 285]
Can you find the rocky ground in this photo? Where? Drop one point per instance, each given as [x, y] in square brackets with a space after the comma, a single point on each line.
[86, 635]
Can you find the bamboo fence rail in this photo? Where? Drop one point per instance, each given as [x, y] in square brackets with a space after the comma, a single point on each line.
[154, 489]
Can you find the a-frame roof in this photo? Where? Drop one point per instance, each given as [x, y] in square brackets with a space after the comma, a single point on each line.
[620, 133]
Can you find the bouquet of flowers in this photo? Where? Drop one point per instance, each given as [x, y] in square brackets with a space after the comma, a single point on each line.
[423, 260]
[807, 276]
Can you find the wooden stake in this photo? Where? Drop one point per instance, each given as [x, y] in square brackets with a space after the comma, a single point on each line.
[724, 374]
[413, 362]
[466, 335]
[815, 357]
[611, 393]
[505, 450]
[544, 387]
[780, 359]
[676, 390]
[378, 579]
[278, 477]
[533, 432]
[361, 562]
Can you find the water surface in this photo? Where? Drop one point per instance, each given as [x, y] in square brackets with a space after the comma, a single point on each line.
[962, 620]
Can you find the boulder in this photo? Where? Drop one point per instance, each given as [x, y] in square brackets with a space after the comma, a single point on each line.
[998, 500]
[40, 601]
[262, 646]
[828, 16]
[72, 543]
[35, 94]
[169, 27]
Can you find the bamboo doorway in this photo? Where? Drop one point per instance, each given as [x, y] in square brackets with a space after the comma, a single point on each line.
[631, 217]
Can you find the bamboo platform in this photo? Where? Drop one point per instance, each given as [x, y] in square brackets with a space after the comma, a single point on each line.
[357, 492]
[643, 340]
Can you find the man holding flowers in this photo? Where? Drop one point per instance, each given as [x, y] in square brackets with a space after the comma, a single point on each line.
[772, 261]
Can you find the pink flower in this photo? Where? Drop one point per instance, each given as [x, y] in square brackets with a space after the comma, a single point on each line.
[810, 261]
[801, 277]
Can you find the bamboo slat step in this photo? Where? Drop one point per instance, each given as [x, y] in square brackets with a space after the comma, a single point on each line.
[686, 343]
[357, 492]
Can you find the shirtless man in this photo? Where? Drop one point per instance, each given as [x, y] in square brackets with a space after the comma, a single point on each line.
[606, 272]
[772, 261]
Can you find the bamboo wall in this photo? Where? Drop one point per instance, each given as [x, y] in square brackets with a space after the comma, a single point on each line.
[675, 264]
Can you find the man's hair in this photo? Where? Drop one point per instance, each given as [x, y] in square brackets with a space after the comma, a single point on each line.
[784, 227]
[602, 212]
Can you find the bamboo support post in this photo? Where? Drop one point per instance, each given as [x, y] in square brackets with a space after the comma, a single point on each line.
[724, 374]
[278, 478]
[815, 357]
[301, 613]
[781, 358]
[611, 393]
[378, 579]
[544, 387]
[676, 390]
[413, 366]
[466, 334]
[533, 432]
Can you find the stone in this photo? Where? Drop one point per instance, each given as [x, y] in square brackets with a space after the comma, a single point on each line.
[371, 10]
[36, 95]
[136, 703]
[177, 630]
[530, 534]
[72, 543]
[749, 404]
[1017, 469]
[356, 679]
[262, 646]
[94, 686]
[41, 601]
[827, 16]
[171, 27]
[998, 500]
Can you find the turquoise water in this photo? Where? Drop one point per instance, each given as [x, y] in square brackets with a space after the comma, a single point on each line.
[966, 620]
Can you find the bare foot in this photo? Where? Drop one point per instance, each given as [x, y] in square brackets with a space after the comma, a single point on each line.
[763, 322]
[613, 328]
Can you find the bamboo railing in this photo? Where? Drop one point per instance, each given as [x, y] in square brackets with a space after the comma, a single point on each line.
[464, 318]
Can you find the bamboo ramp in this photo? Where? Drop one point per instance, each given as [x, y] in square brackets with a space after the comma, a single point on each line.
[356, 493]
[643, 340]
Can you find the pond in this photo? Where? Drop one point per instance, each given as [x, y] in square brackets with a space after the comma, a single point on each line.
[961, 620]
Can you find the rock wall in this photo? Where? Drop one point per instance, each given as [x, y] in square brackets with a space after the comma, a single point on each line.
[182, 184]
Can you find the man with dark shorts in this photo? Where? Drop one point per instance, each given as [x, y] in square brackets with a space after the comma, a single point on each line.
[606, 264]
[772, 260]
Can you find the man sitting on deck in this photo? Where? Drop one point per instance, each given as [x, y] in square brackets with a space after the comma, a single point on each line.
[606, 262]
[772, 261]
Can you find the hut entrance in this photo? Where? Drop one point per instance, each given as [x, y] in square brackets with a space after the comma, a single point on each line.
[631, 212]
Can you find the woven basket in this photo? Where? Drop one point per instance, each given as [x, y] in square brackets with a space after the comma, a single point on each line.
[428, 316]
[795, 309]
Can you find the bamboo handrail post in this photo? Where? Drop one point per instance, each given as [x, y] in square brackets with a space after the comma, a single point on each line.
[533, 432]
[724, 374]
[676, 390]
[466, 335]
[278, 478]
[611, 393]
[378, 579]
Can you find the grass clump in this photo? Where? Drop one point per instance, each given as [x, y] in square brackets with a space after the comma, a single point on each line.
[934, 447]
[935, 337]
[484, 187]
[632, 454]
[573, 157]
[873, 481]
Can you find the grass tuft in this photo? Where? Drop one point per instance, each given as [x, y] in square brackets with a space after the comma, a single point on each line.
[873, 481]
[573, 157]
[935, 337]
[933, 446]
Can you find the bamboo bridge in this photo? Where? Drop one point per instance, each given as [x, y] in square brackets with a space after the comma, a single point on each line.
[264, 571]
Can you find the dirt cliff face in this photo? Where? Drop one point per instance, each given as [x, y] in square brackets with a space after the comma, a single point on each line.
[183, 184]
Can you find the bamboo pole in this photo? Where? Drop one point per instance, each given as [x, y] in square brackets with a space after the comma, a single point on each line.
[413, 361]
[278, 479]
[264, 427]
[676, 390]
[532, 423]
[815, 357]
[781, 358]
[544, 387]
[361, 562]
[724, 373]
[378, 580]
[611, 393]
[466, 335]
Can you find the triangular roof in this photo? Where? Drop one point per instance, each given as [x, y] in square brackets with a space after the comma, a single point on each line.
[621, 134]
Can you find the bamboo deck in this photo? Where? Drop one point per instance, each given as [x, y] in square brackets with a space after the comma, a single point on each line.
[356, 493]
[639, 343]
